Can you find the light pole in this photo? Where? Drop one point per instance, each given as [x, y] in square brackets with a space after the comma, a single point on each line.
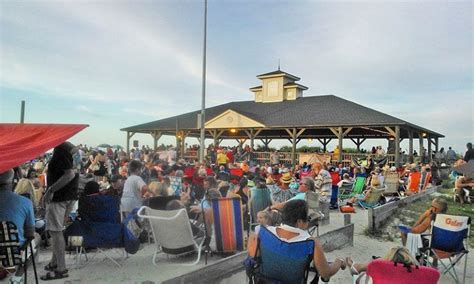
[203, 97]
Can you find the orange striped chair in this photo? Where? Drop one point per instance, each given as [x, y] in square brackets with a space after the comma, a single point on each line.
[414, 182]
[228, 224]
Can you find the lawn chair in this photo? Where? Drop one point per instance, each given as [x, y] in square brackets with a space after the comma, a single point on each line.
[392, 183]
[228, 225]
[100, 227]
[425, 181]
[344, 192]
[449, 235]
[414, 182]
[259, 199]
[359, 186]
[172, 232]
[373, 200]
[386, 272]
[279, 261]
[314, 212]
[11, 252]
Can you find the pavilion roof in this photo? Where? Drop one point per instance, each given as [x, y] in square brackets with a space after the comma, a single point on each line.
[305, 112]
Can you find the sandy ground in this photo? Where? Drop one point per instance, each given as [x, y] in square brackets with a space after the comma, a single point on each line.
[139, 268]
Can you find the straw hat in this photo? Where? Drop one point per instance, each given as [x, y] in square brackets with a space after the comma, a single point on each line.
[286, 178]
[269, 180]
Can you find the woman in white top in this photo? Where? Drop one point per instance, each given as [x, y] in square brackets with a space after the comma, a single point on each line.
[294, 229]
[134, 188]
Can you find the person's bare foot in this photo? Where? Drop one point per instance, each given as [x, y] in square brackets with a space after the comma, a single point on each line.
[355, 268]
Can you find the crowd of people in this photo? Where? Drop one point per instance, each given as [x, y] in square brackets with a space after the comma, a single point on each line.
[50, 183]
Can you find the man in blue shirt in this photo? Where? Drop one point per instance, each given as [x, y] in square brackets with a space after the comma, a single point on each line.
[17, 209]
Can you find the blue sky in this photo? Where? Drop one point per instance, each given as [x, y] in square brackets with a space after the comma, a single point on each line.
[113, 64]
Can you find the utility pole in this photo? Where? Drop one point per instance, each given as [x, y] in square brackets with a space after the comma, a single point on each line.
[203, 97]
[22, 113]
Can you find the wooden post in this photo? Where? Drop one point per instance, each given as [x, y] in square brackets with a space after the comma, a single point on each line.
[429, 149]
[340, 136]
[397, 146]
[128, 143]
[156, 136]
[420, 137]
[294, 134]
[436, 144]
[410, 145]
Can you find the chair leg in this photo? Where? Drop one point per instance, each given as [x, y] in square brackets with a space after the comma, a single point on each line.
[25, 264]
[34, 264]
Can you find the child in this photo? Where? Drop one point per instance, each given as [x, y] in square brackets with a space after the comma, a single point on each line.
[264, 218]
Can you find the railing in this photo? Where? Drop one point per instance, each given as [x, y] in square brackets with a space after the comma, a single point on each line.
[285, 157]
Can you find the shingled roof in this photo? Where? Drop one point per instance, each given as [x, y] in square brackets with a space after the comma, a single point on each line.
[304, 112]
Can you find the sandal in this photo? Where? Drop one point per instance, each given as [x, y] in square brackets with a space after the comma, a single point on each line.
[53, 275]
[50, 267]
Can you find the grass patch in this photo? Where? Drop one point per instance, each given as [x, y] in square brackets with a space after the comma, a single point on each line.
[409, 214]
[420, 206]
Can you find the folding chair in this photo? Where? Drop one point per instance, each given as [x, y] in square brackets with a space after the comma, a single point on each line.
[373, 200]
[414, 184]
[259, 199]
[228, 225]
[387, 272]
[99, 225]
[10, 250]
[425, 181]
[392, 183]
[344, 192]
[314, 212]
[278, 261]
[358, 186]
[172, 232]
[449, 235]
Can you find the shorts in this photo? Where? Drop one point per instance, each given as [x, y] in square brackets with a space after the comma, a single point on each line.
[57, 213]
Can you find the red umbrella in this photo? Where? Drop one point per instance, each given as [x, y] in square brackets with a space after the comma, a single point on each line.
[20, 143]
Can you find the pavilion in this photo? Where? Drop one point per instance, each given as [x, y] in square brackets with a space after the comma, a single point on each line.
[279, 111]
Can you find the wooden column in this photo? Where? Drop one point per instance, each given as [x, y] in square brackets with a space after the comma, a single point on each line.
[266, 142]
[156, 136]
[436, 144]
[216, 134]
[410, 145]
[325, 142]
[340, 135]
[129, 135]
[397, 146]
[358, 142]
[294, 134]
[251, 135]
[420, 137]
[429, 149]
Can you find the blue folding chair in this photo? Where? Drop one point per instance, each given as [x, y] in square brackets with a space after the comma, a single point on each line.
[449, 235]
[281, 262]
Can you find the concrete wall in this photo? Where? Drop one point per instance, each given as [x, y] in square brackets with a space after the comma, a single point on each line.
[378, 215]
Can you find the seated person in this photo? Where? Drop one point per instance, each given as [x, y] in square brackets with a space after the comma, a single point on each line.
[463, 187]
[295, 223]
[423, 223]
[396, 254]
[92, 188]
[346, 180]
[19, 210]
[374, 185]
[116, 186]
[307, 184]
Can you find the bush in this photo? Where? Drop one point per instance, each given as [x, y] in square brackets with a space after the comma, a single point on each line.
[447, 183]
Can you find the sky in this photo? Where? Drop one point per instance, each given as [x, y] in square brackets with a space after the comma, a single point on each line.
[114, 64]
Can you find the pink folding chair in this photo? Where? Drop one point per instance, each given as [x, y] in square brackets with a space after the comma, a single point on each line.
[387, 272]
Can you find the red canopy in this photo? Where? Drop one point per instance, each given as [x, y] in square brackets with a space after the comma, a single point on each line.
[20, 143]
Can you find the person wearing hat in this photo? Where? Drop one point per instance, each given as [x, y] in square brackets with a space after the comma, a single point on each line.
[282, 193]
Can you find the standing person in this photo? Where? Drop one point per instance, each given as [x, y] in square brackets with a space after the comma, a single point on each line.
[469, 156]
[275, 158]
[133, 189]
[60, 196]
[450, 156]
[19, 210]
